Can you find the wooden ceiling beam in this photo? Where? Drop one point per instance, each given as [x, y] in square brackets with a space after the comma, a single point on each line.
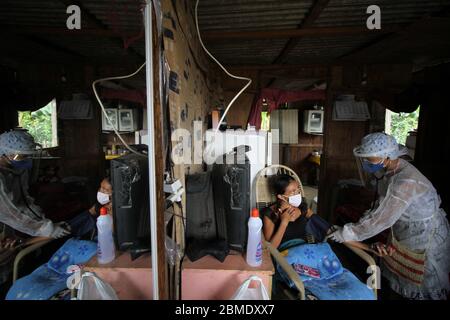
[421, 25]
[92, 20]
[213, 36]
[262, 67]
[314, 32]
[315, 12]
[62, 31]
[308, 21]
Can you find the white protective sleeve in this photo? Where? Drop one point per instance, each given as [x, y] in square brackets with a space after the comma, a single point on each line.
[18, 220]
[400, 194]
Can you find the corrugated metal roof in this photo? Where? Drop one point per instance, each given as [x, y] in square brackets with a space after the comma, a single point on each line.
[124, 18]
[235, 15]
[247, 51]
[32, 13]
[351, 12]
[121, 14]
[317, 50]
[88, 46]
[251, 14]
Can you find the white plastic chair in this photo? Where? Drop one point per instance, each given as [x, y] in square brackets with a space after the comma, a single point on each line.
[265, 197]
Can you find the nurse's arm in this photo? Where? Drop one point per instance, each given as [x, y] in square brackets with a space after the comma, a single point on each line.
[398, 198]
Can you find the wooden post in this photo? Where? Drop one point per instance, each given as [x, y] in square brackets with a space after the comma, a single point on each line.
[156, 162]
[159, 162]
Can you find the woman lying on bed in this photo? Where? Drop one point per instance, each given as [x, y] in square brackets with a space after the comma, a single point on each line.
[290, 218]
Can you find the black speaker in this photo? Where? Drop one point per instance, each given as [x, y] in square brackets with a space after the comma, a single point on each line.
[129, 179]
[231, 185]
[200, 216]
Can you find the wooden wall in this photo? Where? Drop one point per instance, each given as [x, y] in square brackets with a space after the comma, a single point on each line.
[295, 155]
[340, 137]
[80, 147]
[8, 117]
[194, 83]
[432, 156]
[79, 140]
[194, 90]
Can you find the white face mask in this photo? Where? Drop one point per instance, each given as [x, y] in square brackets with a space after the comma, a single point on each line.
[295, 200]
[102, 198]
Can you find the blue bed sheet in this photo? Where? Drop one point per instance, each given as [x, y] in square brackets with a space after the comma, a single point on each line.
[322, 273]
[50, 278]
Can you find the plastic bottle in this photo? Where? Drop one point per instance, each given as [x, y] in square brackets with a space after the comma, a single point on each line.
[105, 247]
[254, 244]
[114, 147]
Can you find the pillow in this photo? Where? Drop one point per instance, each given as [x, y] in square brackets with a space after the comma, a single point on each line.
[311, 261]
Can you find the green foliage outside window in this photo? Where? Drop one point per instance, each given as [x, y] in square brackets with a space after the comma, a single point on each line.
[402, 123]
[39, 124]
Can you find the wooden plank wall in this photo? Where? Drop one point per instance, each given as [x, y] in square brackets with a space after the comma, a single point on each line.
[9, 115]
[79, 140]
[340, 137]
[195, 87]
[194, 90]
[295, 155]
[432, 156]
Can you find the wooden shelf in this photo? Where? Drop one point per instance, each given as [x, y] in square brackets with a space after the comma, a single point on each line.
[122, 261]
[210, 279]
[112, 156]
[131, 280]
[232, 262]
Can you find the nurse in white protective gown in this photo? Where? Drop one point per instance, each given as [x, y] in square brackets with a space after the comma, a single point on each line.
[417, 264]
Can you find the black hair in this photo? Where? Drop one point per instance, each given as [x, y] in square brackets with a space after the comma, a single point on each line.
[106, 177]
[280, 183]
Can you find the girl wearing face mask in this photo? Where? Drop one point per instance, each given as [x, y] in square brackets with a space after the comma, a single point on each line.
[287, 218]
[104, 195]
[85, 222]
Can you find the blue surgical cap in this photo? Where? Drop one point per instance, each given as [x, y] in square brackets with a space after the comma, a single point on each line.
[17, 142]
[381, 145]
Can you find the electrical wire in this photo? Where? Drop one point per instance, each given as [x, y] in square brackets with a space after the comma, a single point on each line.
[103, 108]
[223, 68]
[139, 69]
